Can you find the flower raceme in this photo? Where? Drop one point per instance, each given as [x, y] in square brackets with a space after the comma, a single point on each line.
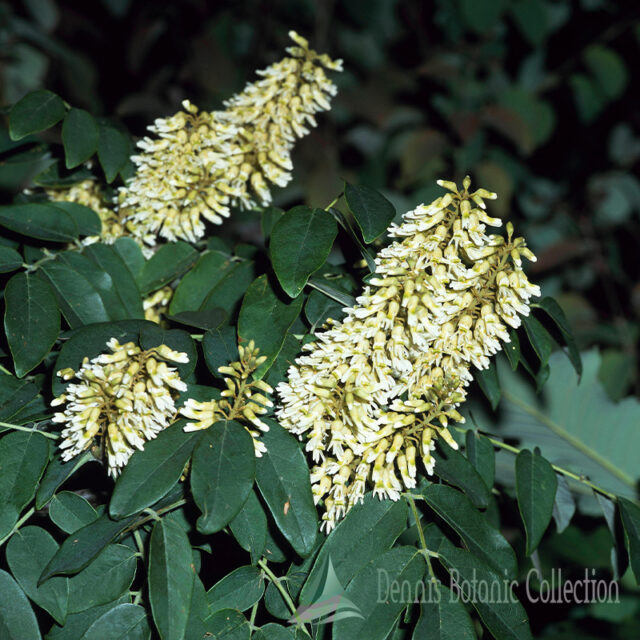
[200, 164]
[242, 400]
[376, 390]
[122, 398]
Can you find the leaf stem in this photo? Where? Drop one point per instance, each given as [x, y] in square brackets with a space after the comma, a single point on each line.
[277, 582]
[18, 427]
[565, 472]
[572, 440]
[18, 524]
[155, 516]
[423, 541]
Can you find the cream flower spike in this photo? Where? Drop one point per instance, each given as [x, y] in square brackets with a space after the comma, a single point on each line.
[375, 391]
[199, 164]
[242, 400]
[121, 399]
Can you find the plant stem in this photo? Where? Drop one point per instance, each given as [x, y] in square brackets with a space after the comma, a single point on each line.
[572, 440]
[423, 541]
[18, 524]
[156, 515]
[254, 611]
[565, 472]
[283, 592]
[18, 427]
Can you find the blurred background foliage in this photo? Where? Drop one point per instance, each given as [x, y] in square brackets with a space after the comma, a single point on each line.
[534, 98]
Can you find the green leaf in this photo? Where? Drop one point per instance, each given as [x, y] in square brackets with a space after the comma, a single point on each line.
[481, 17]
[40, 221]
[482, 456]
[536, 486]
[227, 624]
[340, 296]
[220, 348]
[512, 349]
[372, 211]
[79, 136]
[71, 511]
[167, 263]
[171, 578]
[150, 473]
[131, 254]
[222, 474]
[113, 150]
[79, 300]
[249, 527]
[240, 589]
[375, 611]
[86, 219]
[489, 383]
[124, 622]
[107, 258]
[279, 369]
[270, 216]
[58, 472]
[564, 505]
[79, 549]
[207, 320]
[17, 620]
[31, 320]
[319, 308]
[300, 243]
[630, 514]
[266, 319]
[199, 611]
[231, 288]
[455, 469]
[473, 527]
[555, 312]
[368, 530]
[104, 579]
[56, 177]
[23, 457]
[10, 260]
[532, 19]
[588, 97]
[608, 68]
[566, 423]
[28, 552]
[77, 624]
[91, 274]
[504, 616]
[195, 286]
[283, 479]
[36, 112]
[14, 396]
[272, 631]
[442, 616]
[539, 338]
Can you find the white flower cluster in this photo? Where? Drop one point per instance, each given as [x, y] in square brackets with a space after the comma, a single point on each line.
[200, 163]
[122, 398]
[375, 390]
[242, 400]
